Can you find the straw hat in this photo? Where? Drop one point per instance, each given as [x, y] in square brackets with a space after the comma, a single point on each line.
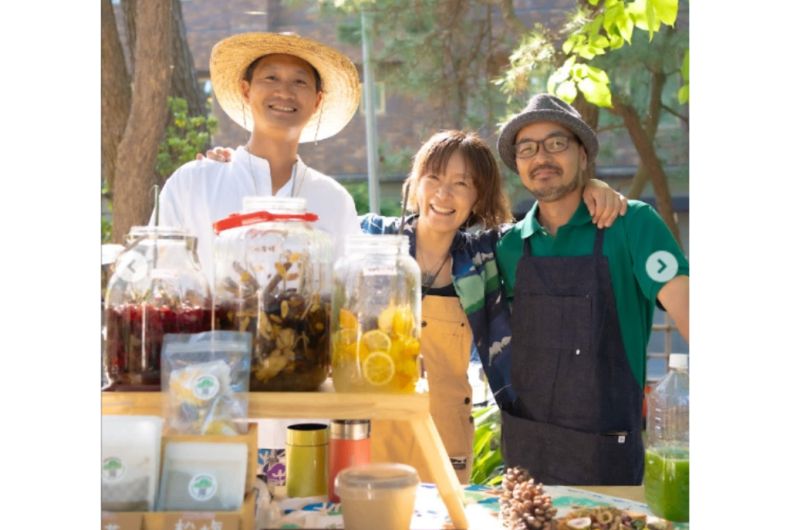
[339, 80]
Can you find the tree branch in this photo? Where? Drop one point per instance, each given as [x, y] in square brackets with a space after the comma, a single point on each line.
[675, 113]
[647, 153]
[510, 18]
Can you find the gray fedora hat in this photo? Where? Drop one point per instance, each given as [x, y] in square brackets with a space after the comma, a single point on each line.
[545, 107]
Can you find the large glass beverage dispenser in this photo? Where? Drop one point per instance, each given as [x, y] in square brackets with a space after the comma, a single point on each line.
[272, 277]
[376, 316]
[157, 288]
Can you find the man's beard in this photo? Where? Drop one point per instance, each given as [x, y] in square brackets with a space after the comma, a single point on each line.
[557, 192]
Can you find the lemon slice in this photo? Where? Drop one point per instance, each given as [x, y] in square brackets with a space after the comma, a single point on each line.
[376, 340]
[347, 319]
[403, 321]
[346, 337]
[385, 319]
[378, 369]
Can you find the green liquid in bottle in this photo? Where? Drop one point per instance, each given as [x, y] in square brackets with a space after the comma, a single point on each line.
[667, 482]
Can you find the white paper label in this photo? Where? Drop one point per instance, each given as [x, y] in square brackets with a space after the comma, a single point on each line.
[380, 270]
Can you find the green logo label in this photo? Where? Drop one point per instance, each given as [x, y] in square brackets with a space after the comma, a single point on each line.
[112, 469]
[206, 387]
[202, 487]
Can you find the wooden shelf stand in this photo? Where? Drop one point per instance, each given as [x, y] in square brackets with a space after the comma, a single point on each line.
[328, 404]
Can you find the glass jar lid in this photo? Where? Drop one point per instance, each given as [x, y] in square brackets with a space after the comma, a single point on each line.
[236, 220]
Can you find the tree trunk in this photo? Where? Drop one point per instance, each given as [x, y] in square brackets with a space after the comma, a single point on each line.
[649, 158]
[184, 83]
[590, 114]
[651, 126]
[129, 8]
[147, 117]
[116, 94]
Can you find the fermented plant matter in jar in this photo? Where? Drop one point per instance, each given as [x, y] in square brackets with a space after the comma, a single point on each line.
[290, 329]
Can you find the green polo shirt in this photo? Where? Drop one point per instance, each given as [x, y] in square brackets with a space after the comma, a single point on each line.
[628, 244]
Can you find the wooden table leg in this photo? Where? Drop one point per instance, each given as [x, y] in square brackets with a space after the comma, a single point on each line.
[439, 465]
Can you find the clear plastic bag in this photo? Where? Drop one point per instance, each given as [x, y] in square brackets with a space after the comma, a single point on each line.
[206, 376]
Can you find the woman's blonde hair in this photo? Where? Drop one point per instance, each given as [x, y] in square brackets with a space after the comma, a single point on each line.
[492, 207]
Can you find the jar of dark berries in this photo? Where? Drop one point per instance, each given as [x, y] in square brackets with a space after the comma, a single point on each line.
[272, 278]
[157, 288]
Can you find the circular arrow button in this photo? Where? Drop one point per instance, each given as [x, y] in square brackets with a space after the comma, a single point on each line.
[661, 266]
[132, 266]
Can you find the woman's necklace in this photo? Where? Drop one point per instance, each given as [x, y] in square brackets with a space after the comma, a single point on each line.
[293, 175]
[429, 278]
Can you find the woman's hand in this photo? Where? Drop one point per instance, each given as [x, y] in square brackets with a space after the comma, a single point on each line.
[604, 203]
[217, 154]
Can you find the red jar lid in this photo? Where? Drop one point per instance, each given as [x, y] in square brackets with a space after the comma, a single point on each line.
[236, 220]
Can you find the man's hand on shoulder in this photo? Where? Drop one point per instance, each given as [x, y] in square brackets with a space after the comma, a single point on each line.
[217, 154]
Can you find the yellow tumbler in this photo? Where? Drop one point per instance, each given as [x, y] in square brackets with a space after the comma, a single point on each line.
[306, 472]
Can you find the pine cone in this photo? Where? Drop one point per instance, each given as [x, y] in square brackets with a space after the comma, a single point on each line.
[524, 505]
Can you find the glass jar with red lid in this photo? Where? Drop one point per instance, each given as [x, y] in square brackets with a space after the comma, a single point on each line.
[272, 278]
[157, 288]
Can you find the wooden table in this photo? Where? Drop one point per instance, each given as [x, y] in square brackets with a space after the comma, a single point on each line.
[632, 493]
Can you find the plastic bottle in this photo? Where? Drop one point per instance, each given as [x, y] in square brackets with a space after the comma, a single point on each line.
[667, 453]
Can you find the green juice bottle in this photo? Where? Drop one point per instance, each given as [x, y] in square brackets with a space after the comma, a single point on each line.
[667, 454]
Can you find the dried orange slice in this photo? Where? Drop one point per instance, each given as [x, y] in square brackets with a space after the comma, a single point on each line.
[378, 369]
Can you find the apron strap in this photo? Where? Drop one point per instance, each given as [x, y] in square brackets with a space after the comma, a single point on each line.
[598, 248]
[527, 248]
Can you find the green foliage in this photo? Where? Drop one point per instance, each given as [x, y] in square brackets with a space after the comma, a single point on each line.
[488, 462]
[437, 51]
[683, 91]
[534, 51]
[185, 137]
[593, 31]
[359, 192]
[394, 162]
[106, 224]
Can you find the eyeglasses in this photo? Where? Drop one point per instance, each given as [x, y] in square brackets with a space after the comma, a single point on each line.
[553, 144]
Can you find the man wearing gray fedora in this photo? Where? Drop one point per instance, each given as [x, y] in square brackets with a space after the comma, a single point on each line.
[582, 301]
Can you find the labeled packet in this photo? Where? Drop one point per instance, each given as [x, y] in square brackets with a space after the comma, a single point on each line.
[198, 476]
[130, 448]
[205, 377]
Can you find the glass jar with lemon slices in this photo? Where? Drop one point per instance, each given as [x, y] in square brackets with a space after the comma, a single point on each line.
[376, 316]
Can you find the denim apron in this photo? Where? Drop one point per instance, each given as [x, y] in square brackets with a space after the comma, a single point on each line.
[577, 415]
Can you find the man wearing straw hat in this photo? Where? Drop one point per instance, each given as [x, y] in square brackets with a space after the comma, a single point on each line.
[582, 308]
[285, 90]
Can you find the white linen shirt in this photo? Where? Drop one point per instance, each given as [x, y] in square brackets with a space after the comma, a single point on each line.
[202, 192]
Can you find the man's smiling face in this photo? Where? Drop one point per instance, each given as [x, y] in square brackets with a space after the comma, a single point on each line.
[550, 176]
[282, 92]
